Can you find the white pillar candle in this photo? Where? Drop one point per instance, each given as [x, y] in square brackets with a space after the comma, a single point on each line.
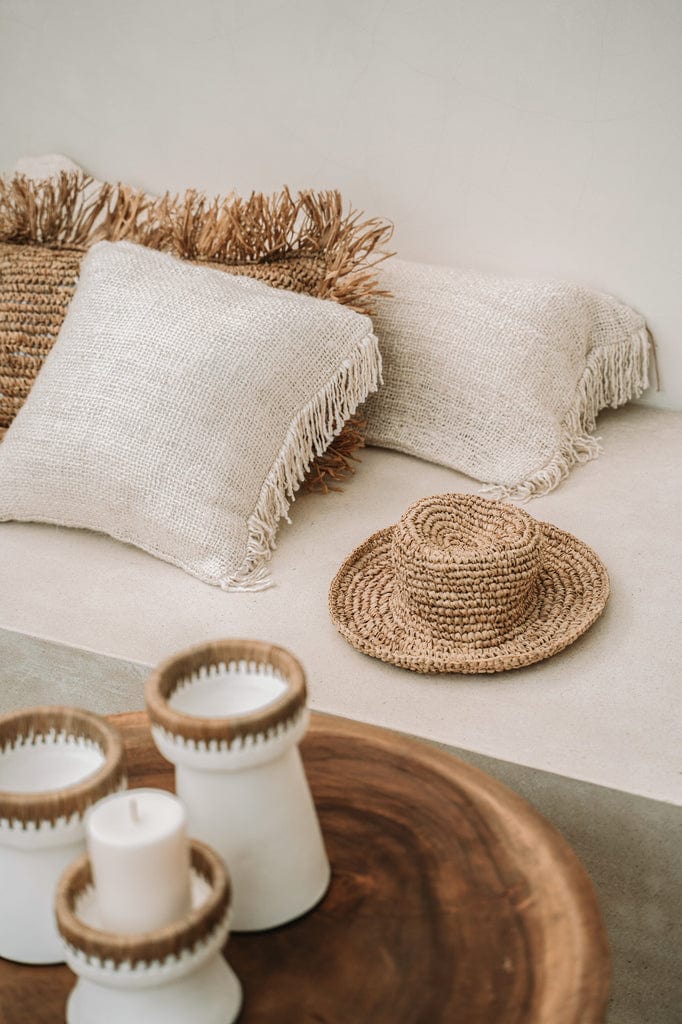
[139, 851]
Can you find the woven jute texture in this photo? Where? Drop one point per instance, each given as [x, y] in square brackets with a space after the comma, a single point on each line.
[45, 229]
[306, 243]
[36, 286]
[465, 584]
[180, 408]
[501, 379]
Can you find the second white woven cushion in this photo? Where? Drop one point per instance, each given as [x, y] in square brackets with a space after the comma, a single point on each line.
[500, 378]
[179, 410]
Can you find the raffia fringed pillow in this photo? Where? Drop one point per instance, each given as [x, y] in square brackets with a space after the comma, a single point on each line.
[305, 243]
[501, 379]
[45, 229]
[180, 408]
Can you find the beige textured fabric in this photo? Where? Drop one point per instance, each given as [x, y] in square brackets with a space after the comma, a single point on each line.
[47, 165]
[180, 408]
[501, 379]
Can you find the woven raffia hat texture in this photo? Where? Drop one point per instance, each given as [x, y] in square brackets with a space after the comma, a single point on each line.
[464, 584]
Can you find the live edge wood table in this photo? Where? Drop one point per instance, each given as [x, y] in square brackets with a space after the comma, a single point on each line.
[451, 900]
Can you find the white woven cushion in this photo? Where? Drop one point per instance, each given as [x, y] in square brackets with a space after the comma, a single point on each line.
[179, 409]
[501, 379]
[47, 165]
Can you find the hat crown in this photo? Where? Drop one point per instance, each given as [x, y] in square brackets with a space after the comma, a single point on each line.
[466, 568]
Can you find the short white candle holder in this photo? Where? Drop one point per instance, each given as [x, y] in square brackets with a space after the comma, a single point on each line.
[172, 975]
[55, 763]
[229, 716]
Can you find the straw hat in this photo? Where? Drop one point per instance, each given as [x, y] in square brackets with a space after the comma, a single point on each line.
[464, 584]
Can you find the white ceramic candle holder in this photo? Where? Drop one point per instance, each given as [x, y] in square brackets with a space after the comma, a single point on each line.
[229, 716]
[172, 975]
[55, 763]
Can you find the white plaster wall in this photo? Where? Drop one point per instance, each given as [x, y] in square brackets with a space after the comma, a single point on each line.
[521, 136]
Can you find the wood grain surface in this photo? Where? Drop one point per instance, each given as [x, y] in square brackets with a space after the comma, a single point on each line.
[451, 900]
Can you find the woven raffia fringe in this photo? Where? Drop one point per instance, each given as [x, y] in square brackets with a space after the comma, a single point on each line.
[303, 243]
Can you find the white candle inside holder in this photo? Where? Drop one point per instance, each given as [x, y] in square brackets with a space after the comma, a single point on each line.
[140, 856]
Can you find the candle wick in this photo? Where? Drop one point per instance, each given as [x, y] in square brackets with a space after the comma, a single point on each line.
[134, 811]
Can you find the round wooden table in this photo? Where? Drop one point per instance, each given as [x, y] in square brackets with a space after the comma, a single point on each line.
[451, 901]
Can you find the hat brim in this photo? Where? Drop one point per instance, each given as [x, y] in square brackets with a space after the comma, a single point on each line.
[572, 590]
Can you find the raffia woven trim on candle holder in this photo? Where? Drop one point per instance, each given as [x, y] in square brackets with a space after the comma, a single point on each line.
[31, 726]
[464, 584]
[260, 724]
[183, 936]
[305, 243]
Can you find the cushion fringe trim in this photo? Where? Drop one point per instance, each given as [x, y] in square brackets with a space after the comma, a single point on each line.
[614, 375]
[310, 433]
[72, 210]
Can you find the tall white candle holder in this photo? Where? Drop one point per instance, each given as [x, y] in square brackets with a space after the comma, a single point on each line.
[229, 715]
[55, 763]
[172, 975]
